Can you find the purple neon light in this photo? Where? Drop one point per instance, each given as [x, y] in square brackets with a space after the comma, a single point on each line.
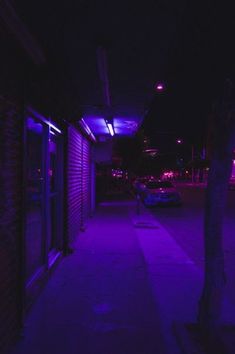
[110, 128]
[53, 126]
[87, 129]
[51, 132]
[42, 118]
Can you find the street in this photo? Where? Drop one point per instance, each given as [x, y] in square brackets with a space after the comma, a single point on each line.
[185, 225]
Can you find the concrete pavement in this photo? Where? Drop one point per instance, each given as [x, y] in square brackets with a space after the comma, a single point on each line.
[175, 278]
[99, 299]
[119, 292]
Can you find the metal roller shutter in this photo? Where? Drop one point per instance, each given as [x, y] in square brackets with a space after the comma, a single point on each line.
[74, 182]
[93, 176]
[86, 179]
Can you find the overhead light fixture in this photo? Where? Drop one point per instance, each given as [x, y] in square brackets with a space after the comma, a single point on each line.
[87, 129]
[52, 126]
[109, 123]
[48, 122]
[110, 128]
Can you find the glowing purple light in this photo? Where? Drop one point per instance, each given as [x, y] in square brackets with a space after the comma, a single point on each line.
[51, 132]
[179, 141]
[37, 115]
[122, 124]
[159, 87]
[53, 126]
[87, 129]
[110, 128]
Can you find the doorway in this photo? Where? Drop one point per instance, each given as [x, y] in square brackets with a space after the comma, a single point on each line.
[44, 197]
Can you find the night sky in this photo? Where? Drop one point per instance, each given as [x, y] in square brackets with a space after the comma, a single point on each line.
[188, 45]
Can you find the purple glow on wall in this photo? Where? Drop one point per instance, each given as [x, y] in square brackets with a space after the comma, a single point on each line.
[32, 124]
[97, 124]
[126, 125]
[179, 141]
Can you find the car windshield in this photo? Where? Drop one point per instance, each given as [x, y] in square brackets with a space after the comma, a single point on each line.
[155, 185]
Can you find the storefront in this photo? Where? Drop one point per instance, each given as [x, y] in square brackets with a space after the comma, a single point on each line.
[43, 217]
[48, 192]
[59, 194]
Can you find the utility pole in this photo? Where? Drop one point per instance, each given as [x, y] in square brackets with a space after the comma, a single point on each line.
[103, 73]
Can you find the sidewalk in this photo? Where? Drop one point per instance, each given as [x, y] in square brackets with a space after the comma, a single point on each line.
[99, 299]
[119, 292]
[176, 281]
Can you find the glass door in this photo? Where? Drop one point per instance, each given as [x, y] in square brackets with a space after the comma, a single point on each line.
[55, 179]
[44, 192]
[35, 185]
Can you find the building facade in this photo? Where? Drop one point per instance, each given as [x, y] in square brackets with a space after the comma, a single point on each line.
[46, 178]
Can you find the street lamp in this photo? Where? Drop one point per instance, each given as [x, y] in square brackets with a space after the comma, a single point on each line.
[159, 87]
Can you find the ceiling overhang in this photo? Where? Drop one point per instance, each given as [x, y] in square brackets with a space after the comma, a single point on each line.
[126, 122]
[123, 126]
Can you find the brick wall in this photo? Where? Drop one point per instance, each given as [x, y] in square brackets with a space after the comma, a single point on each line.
[11, 140]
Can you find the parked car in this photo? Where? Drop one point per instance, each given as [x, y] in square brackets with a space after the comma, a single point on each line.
[161, 193]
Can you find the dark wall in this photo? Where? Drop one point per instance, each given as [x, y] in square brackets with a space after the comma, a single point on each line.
[11, 125]
[15, 69]
[22, 83]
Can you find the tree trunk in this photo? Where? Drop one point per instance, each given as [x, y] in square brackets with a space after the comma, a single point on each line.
[210, 304]
[212, 296]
